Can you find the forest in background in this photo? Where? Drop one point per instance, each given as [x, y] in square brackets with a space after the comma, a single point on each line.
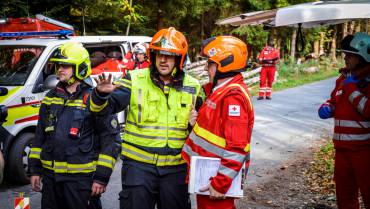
[195, 18]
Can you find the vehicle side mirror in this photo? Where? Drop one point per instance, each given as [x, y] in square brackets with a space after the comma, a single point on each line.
[50, 82]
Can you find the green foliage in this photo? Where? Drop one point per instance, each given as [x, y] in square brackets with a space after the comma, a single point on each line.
[254, 36]
[10, 7]
[195, 18]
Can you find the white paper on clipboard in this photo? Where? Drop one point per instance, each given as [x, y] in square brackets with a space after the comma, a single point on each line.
[203, 168]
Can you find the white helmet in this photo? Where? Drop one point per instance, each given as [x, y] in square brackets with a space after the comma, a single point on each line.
[140, 48]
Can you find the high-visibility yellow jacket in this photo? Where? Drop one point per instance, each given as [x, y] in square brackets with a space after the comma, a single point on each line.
[157, 121]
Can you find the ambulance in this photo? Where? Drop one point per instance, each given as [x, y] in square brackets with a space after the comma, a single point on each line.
[26, 75]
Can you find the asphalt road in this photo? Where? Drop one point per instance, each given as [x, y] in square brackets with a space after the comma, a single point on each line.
[284, 127]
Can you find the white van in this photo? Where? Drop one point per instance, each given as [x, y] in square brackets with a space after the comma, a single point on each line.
[23, 70]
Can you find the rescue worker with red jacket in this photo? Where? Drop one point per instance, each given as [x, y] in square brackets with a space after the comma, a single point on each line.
[349, 105]
[160, 99]
[268, 58]
[73, 152]
[140, 61]
[225, 121]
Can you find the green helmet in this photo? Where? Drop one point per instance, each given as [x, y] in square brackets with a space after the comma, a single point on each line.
[73, 53]
[357, 44]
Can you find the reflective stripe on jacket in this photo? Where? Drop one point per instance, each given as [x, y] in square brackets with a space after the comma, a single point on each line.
[157, 121]
[351, 115]
[223, 130]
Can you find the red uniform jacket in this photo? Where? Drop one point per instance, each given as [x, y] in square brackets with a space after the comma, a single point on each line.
[269, 56]
[223, 130]
[351, 114]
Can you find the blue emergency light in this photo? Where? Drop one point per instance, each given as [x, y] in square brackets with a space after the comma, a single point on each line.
[61, 33]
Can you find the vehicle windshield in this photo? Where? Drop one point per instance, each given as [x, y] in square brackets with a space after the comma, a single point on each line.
[16, 63]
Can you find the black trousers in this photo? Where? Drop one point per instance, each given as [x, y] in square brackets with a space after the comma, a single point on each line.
[68, 194]
[145, 185]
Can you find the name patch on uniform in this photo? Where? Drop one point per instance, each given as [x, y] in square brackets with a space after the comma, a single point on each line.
[189, 89]
[210, 104]
[234, 110]
[340, 92]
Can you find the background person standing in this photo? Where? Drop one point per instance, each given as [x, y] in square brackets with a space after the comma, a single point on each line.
[268, 58]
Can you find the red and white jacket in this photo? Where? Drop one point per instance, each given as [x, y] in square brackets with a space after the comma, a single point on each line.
[351, 114]
[223, 130]
[269, 56]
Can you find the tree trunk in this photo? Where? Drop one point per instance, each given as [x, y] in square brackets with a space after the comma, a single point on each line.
[278, 44]
[129, 22]
[351, 27]
[83, 21]
[358, 26]
[293, 44]
[334, 45]
[316, 48]
[160, 23]
[344, 30]
[202, 27]
[321, 46]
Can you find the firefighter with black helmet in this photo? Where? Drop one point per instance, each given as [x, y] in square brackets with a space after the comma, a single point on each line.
[349, 105]
[74, 152]
[161, 99]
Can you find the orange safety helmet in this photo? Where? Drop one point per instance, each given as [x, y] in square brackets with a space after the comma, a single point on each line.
[228, 52]
[171, 42]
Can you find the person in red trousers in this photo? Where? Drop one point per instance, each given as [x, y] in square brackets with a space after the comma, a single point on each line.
[224, 123]
[268, 58]
[349, 105]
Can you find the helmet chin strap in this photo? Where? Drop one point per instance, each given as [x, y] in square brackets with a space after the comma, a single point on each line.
[174, 71]
[71, 81]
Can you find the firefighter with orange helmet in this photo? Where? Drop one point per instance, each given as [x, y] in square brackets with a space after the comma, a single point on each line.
[161, 99]
[225, 121]
[268, 58]
[349, 105]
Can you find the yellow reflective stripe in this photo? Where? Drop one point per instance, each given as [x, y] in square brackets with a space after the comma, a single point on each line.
[165, 160]
[209, 136]
[155, 127]
[52, 100]
[64, 167]
[75, 103]
[123, 82]
[97, 108]
[106, 160]
[146, 157]
[247, 148]
[47, 164]
[35, 153]
[243, 90]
